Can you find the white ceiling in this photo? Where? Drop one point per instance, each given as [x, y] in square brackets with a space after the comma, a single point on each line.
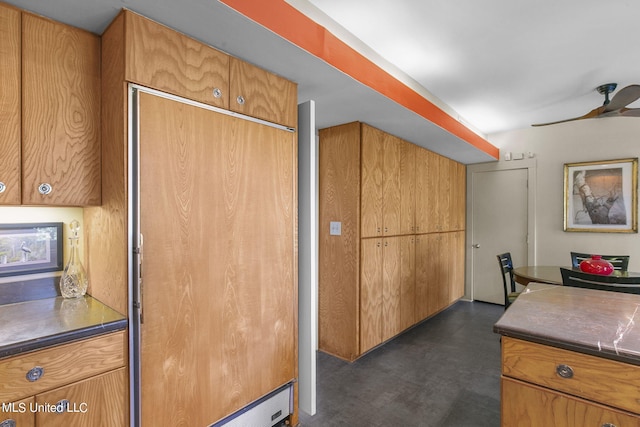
[494, 64]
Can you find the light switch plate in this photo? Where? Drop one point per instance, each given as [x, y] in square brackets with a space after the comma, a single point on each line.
[335, 228]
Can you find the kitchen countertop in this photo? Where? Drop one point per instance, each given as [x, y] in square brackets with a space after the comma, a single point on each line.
[32, 325]
[589, 321]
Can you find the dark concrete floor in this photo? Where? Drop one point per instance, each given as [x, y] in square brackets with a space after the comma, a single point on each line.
[443, 372]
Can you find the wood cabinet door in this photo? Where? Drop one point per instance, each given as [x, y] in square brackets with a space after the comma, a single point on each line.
[60, 114]
[391, 185]
[217, 212]
[407, 203]
[21, 413]
[457, 201]
[438, 259]
[422, 277]
[391, 286]
[456, 266]
[527, 405]
[372, 176]
[164, 59]
[443, 196]
[258, 93]
[371, 270]
[10, 98]
[427, 170]
[432, 273]
[100, 401]
[407, 281]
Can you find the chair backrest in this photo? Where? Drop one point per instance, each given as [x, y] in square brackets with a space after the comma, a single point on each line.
[506, 269]
[619, 262]
[580, 279]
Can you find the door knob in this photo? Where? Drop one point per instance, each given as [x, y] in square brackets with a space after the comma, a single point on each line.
[475, 245]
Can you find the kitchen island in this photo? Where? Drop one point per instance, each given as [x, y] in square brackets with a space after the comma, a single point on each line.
[65, 354]
[570, 357]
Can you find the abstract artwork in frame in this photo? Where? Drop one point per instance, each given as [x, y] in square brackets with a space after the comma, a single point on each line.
[30, 248]
[601, 196]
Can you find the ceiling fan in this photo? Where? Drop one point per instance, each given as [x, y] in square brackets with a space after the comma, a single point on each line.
[614, 107]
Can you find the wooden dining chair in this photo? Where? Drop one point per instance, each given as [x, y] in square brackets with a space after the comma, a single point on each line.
[619, 262]
[509, 284]
[580, 279]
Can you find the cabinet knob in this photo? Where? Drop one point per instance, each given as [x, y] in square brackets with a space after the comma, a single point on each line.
[217, 93]
[564, 371]
[45, 188]
[603, 425]
[62, 406]
[2, 188]
[8, 423]
[240, 99]
[35, 373]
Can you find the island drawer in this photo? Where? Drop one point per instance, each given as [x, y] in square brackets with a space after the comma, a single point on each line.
[31, 373]
[524, 404]
[604, 380]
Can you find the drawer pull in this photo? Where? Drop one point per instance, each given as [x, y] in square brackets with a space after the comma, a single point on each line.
[8, 423]
[35, 373]
[564, 371]
[62, 406]
[608, 425]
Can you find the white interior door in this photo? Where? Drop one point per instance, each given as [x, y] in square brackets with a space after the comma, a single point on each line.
[499, 224]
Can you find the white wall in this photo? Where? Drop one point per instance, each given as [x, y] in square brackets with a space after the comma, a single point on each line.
[553, 146]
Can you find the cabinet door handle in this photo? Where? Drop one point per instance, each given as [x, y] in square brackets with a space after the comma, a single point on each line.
[564, 371]
[240, 99]
[3, 187]
[217, 93]
[8, 423]
[35, 373]
[62, 406]
[608, 425]
[45, 188]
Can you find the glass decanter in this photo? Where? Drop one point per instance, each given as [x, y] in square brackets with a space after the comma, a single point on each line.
[73, 283]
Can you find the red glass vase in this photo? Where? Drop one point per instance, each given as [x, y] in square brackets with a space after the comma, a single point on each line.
[596, 265]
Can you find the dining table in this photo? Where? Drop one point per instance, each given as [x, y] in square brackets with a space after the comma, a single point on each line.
[551, 274]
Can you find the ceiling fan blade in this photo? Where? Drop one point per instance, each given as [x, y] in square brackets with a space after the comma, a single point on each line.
[624, 97]
[630, 112]
[590, 115]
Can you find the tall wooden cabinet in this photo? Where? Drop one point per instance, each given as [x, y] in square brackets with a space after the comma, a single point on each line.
[217, 209]
[400, 255]
[50, 112]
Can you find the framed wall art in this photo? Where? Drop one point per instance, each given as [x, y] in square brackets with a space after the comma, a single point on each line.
[601, 196]
[30, 248]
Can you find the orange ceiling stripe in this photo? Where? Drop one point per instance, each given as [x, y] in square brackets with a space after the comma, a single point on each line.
[291, 24]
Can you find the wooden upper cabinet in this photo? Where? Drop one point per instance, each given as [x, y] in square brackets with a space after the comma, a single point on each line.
[372, 176]
[388, 188]
[9, 105]
[457, 205]
[427, 174]
[261, 94]
[164, 59]
[407, 173]
[60, 114]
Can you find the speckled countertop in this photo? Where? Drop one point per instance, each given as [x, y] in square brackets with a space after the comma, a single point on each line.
[31, 325]
[588, 321]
